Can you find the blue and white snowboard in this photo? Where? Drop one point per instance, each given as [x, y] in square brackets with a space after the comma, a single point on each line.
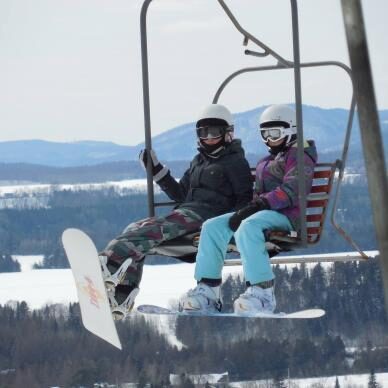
[93, 300]
[302, 314]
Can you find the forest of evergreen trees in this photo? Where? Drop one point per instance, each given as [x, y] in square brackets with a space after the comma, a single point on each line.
[7, 264]
[50, 347]
[104, 213]
[105, 172]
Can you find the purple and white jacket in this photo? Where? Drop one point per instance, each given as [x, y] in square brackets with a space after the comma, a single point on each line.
[277, 180]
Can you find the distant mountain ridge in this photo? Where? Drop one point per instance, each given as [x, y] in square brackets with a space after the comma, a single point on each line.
[63, 154]
[325, 126]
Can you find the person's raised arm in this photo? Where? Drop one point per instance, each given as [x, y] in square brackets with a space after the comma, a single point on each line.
[161, 175]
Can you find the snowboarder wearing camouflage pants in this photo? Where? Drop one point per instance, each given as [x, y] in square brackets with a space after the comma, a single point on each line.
[217, 182]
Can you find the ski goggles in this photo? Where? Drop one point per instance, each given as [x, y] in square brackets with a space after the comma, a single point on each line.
[274, 133]
[211, 132]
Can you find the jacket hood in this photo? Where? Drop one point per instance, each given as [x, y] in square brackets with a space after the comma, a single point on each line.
[310, 149]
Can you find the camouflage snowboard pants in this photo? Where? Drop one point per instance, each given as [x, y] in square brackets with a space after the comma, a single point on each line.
[140, 237]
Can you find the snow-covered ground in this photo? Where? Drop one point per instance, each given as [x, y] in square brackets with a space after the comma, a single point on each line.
[139, 185]
[133, 184]
[27, 262]
[160, 285]
[38, 195]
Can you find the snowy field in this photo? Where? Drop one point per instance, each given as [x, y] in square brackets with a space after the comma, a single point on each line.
[162, 285]
[138, 185]
[38, 195]
[133, 184]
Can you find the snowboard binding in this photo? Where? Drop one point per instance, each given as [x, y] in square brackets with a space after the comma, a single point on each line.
[120, 310]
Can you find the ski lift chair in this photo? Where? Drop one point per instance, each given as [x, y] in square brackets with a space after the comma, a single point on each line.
[184, 248]
[317, 203]
[313, 208]
[316, 211]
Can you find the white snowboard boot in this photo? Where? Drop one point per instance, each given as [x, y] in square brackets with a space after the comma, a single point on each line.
[255, 300]
[202, 298]
[121, 297]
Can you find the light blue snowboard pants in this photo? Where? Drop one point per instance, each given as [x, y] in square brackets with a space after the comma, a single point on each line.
[250, 241]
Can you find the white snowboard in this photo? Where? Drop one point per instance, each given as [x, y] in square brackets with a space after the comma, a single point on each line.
[93, 300]
[302, 314]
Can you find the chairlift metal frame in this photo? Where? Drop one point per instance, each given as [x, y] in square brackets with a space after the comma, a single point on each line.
[282, 64]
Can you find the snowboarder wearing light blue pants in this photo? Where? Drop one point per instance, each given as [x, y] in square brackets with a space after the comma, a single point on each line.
[250, 239]
[275, 206]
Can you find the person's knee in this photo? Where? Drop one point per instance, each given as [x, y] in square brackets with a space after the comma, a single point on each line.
[250, 224]
[210, 226]
[250, 227]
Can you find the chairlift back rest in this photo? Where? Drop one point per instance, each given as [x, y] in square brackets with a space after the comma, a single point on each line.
[316, 208]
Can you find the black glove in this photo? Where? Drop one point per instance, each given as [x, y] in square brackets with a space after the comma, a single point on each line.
[158, 170]
[247, 211]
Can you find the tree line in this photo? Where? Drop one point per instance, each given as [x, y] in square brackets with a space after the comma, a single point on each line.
[7, 264]
[113, 171]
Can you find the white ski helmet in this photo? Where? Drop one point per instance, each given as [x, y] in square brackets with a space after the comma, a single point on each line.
[278, 122]
[216, 111]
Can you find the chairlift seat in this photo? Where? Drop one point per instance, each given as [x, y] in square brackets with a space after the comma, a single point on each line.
[316, 208]
[185, 247]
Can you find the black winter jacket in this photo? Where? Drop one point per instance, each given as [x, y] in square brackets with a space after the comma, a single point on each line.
[213, 186]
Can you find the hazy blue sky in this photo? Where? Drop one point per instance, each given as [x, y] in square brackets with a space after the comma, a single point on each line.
[70, 69]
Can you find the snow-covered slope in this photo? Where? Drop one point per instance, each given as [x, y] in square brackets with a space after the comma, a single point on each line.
[160, 285]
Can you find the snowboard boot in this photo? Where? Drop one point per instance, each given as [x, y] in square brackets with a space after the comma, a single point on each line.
[121, 296]
[256, 299]
[202, 298]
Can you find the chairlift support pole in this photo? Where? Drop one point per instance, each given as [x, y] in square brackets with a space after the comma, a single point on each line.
[146, 105]
[369, 126]
[299, 122]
